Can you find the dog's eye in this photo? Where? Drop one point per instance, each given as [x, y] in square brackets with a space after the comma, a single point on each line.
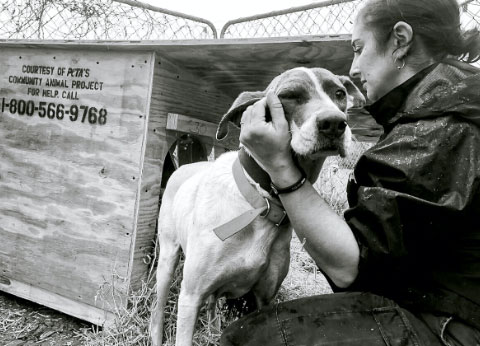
[340, 94]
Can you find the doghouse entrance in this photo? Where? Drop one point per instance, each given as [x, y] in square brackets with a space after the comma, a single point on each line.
[186, 149]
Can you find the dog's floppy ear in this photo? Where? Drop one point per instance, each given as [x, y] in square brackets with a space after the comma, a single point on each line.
[235, 112]
[355, 98]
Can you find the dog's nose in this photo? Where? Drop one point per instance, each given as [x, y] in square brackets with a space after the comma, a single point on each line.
[332, 126]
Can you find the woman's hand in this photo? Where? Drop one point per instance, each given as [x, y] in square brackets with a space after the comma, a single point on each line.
[269, 142]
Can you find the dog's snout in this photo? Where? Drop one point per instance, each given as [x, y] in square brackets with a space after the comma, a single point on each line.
[333, 126]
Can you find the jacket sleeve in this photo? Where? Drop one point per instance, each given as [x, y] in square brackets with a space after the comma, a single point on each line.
[414, 194]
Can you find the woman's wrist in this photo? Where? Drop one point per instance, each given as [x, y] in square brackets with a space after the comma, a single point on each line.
[285, 176]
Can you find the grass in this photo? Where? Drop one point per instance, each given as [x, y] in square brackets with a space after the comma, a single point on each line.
[303, 279]
[131, 323]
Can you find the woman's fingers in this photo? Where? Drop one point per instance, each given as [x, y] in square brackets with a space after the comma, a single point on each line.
[276, 110]
[251, 113]
[258, 112]
[268, 142]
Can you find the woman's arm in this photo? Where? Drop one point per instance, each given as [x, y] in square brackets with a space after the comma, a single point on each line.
[328, 239]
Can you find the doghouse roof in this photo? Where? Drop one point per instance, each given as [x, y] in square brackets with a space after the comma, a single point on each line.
[236, 65]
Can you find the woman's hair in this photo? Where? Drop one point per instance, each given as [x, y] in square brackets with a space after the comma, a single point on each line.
[435, 22]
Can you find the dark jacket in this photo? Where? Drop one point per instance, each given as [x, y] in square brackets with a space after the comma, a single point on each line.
[415, 197]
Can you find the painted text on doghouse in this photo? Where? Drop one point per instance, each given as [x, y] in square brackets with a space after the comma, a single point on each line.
[42, 81]
[52, 110]
[45, 89]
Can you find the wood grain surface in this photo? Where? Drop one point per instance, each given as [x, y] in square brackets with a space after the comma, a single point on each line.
[69, 189]
[236, 65]
[175, 90]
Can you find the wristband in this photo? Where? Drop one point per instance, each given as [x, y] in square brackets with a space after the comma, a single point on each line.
[295, 186]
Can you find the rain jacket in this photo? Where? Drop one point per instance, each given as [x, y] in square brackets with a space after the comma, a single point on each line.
[415, 195]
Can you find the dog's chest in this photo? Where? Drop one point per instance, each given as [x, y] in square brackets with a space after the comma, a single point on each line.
[231, 267]
[261, 255]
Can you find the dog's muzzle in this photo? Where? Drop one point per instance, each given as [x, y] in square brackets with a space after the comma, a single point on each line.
[332, 126]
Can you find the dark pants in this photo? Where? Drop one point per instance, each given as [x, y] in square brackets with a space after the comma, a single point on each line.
[345, 319]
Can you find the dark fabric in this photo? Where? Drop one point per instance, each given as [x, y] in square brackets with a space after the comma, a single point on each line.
[451, 331]
[415, 198]
[387, 108]
[341, 319]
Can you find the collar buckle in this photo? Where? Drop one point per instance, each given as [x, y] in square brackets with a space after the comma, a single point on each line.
[267, 211]
[279, 223]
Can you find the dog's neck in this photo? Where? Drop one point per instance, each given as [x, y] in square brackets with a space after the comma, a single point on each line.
[255, 173]
[259, 178]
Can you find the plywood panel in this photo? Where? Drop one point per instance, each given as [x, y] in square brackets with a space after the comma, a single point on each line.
[202, 129]
[83, 311]
[72, 125]
[174, 90]
[237, 65]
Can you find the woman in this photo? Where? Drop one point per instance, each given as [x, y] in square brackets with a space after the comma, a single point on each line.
[410, 243]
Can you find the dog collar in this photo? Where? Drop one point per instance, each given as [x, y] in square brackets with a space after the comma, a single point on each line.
[254, 170]
[266, 208]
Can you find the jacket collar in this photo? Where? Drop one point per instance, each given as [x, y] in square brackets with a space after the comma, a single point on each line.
[448, 87]
[385, 109]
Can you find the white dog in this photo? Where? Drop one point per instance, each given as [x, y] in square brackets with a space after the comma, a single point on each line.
[203, 196]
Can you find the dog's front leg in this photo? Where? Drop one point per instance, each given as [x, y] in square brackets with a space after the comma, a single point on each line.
[188, 307]
[279, 260]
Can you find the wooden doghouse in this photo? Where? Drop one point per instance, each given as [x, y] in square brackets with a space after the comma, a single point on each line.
[86, 128]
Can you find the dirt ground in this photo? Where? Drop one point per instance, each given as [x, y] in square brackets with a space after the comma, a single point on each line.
[23, 323]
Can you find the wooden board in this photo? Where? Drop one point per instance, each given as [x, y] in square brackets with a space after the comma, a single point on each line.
[201, 128]
[73, 127]
[232, 65]
[237, 65]
[174, 90]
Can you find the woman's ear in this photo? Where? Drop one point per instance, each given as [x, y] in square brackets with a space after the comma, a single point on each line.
[402, 34]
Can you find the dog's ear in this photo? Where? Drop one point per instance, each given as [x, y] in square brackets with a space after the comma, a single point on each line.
[235, 112]
[355, 98]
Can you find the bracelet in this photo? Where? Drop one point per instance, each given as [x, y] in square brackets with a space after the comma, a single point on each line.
[277, 190]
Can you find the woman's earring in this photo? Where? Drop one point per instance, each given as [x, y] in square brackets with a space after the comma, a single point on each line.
[403, 63]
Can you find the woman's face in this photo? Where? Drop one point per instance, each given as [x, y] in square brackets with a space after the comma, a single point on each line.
[371, 64]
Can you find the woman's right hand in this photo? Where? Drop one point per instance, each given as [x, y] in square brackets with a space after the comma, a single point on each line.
[269, 142]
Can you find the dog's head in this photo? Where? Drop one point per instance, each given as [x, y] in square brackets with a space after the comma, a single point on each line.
[315, 103]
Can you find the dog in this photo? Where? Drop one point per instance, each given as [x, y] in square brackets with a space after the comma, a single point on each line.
[202, 196]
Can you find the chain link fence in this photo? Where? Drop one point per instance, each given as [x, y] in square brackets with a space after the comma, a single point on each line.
[330, 17]
[470, 13]
[97, 20]
[327, 17]
[133, 20]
